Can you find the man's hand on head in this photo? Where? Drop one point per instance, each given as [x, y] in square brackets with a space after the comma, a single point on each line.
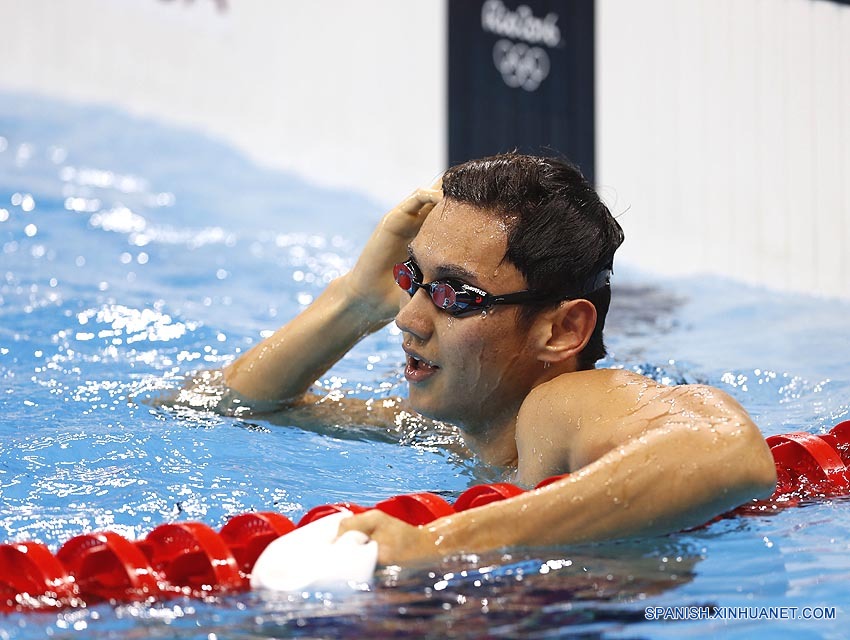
[371, 279]
[278, 371]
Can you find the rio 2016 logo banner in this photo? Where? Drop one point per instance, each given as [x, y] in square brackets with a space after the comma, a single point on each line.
[522, 64]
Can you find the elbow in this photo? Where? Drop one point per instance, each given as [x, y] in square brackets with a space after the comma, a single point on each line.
[763, 471]
[756, 476]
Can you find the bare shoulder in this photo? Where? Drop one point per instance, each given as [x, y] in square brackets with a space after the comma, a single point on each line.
[620, 394]
[562, 418]
[578, 417]
[586, 391]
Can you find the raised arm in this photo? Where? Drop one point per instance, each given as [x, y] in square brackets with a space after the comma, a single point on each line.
[282, 367]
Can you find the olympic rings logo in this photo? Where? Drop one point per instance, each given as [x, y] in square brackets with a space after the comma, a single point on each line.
[521, 65]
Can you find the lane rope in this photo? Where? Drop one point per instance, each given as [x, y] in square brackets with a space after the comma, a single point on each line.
[191, 559]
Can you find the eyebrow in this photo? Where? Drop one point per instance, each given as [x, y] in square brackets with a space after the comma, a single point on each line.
[444, 271]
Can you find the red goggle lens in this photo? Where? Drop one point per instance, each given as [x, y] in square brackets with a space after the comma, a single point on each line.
[443, 295]
[403, 277]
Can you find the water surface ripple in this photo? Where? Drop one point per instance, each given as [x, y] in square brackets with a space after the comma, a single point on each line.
[132, 253]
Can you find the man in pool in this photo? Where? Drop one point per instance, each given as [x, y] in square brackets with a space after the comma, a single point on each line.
[499, 284]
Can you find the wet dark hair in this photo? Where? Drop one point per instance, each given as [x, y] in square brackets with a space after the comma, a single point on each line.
[560, 234]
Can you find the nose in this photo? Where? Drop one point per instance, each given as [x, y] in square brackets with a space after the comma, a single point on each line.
[415, 316]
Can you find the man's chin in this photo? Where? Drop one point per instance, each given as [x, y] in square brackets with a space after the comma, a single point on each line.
[420, 403]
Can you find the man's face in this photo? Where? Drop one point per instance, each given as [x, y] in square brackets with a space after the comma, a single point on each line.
[475, 369]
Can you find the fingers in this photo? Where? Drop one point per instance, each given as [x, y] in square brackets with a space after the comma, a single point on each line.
[398, 541]
[406, 219]
[380, 528]
[420, 201]
[365, 522]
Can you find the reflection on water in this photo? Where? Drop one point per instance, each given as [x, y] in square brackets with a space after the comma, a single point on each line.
[511, 595]
[133, 257]
[494, 595]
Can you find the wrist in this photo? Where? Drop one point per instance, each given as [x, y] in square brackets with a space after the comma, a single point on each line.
[481, 529]
[456, 534]
[373, 314]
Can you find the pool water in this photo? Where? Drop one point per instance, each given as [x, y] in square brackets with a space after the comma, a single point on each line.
[134, 253]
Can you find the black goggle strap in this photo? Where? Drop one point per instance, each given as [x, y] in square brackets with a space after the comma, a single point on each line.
[593, 283]
[601, 279]
[520, 297]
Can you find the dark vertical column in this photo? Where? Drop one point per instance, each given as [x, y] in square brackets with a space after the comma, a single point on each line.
[521, 76]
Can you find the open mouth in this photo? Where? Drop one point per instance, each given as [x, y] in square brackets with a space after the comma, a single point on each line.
[417, 370]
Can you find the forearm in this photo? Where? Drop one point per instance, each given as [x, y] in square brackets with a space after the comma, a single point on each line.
[646, 487]
[283, 366]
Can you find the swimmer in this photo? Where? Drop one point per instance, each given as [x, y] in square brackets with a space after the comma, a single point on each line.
[498, 279]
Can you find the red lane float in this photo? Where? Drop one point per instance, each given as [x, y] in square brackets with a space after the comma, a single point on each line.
[106, 566]
[327, 509]
[808, 467]
[818, 466]
[32, 578]
[416, 508]
[193, 558]
[248, 534]
[482, 494]
[189, 558]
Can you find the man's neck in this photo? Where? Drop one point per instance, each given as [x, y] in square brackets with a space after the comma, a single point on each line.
[493, 439]
[494, 443]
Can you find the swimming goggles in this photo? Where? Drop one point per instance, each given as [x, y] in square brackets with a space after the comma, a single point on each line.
[455, 297]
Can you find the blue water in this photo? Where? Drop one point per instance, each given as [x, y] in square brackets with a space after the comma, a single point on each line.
[134, 253]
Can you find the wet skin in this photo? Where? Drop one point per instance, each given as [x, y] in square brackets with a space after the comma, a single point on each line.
[644, 458]
[473, 371]
[485, 372]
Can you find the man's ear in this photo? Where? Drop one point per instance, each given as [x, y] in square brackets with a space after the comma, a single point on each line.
[567, 330]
